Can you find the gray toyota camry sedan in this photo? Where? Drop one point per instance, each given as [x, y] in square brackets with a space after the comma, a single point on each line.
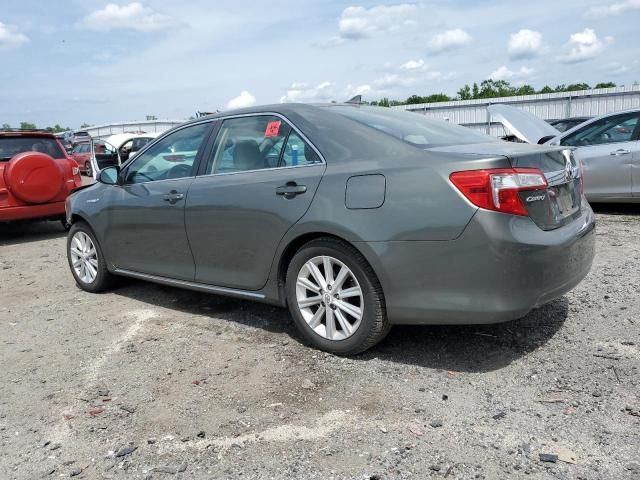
[355, 217]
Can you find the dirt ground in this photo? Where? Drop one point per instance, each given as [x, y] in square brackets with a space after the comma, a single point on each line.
[154, 382]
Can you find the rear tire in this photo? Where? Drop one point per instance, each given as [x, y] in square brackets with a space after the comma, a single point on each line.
[86, 259]
[335, 298]
[88, 171]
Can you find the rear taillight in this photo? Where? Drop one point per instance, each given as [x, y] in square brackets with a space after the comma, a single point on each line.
[497, 189]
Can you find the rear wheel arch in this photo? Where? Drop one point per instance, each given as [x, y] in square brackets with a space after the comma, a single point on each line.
[300, 241]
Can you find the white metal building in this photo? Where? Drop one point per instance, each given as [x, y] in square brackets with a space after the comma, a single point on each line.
[549, 106]
[144, 126]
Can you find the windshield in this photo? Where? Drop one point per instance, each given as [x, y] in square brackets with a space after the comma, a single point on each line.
[10, 146]
[413, 128]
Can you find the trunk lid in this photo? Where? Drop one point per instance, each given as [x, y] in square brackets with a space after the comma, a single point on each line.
[561, 202]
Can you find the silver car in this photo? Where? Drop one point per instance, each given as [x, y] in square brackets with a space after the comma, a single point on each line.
[608, 147]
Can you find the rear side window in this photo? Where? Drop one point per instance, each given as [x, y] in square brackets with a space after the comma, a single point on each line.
[10, 146]
[413, 128]
[248, 143]
[298, 152]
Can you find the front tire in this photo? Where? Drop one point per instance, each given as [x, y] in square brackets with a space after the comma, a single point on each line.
[88, 171]
[86, 260]
[335, 298]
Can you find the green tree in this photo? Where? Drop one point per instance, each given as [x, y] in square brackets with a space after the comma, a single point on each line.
[465, 93]
[605, 85]
[6, 126]
[577, 86]
[86, 125]
[546, 89]
[525, 90]
[475, 91]
[27, 126]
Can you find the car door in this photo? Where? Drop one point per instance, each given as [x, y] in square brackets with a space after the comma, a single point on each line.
[605, 147]
[258, 181]
[145, 214]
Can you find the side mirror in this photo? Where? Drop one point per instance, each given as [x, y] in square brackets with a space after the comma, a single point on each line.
[109, 175]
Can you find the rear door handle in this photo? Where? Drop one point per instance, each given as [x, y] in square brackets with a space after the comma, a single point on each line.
[620, 151]
[172, 197]
[291, 189]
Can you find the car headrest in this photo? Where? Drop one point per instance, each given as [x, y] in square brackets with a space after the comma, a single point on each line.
[247, 156]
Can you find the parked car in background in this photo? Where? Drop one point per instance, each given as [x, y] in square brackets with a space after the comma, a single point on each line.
[608, 147]
[81, 153]
[356, 217]
[36, 176]
[128, 144]
[564, 124]
[94, 155]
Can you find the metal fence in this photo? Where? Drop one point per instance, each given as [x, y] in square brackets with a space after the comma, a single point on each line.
[549, 106]
[146, 126]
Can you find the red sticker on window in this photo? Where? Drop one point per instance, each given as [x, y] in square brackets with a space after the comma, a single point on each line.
[272, 129]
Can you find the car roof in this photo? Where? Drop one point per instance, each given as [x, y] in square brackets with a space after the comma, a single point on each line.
[27, 133]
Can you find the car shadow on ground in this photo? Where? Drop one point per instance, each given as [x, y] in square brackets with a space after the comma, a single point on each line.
[468, 348]
[616, 208]
[16, 233]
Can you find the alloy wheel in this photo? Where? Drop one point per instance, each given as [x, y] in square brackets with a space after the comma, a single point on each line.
[329, 297]
[84, 257]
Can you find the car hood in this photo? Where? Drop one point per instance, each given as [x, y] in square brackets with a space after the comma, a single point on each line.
[524, 125]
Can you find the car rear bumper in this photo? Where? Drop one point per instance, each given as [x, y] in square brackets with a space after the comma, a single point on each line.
[500, 268]
[45, 210]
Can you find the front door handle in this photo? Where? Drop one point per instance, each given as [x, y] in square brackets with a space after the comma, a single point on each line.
[291, 189]
[620, 151]
[172, 197]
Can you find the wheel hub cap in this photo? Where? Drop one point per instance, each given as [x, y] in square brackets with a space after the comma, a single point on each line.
[84, 257]
[329, 298]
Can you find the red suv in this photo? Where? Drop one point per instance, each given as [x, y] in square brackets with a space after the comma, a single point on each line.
[36, 176]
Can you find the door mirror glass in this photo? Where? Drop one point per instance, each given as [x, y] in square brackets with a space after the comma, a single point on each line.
[109, 175]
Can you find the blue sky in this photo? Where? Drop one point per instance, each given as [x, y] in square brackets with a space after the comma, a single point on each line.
[99, 61]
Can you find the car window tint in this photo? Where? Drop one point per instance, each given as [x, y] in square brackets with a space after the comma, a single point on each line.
[172, 157]
[10, 146]
[248, 143]
[298, 152]
[607, 130]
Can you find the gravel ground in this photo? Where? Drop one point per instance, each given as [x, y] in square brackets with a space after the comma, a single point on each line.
[154, 382]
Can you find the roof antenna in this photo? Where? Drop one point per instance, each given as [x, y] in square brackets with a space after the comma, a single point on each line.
[357, 100]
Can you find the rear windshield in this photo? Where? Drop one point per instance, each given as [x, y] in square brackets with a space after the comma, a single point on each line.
[10, 146]
[411, 127]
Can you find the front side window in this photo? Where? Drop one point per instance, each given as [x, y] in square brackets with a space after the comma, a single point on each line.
[172, 157]
[606, 130]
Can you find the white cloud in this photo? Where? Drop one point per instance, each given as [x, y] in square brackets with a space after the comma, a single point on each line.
[133, 16]
[449, 40]
[504, 73]
[245, 99]
[10, 38]
[302, 92]
[393, 80]
[612, 9]
[583, 46]
[359, 22]
[616, 68]
[525, 44]
[414, 65]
